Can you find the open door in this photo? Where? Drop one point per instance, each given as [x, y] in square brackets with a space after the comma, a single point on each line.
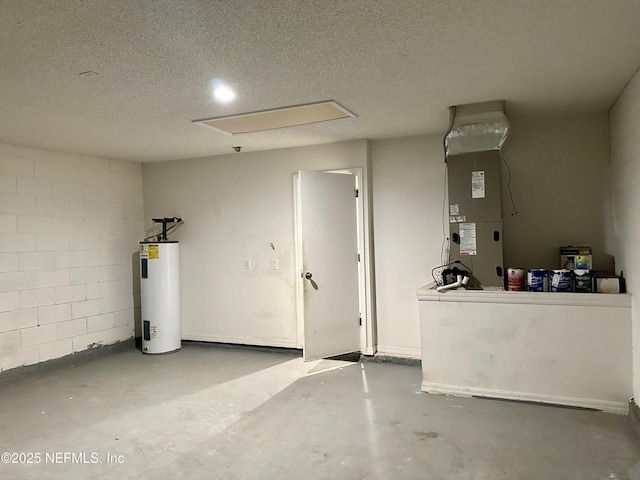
[327, 222]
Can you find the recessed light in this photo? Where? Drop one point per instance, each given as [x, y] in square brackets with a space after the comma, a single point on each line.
[88, 73]
[222, 92]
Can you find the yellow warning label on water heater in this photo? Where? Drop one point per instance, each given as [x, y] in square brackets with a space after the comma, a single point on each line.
[154, 252]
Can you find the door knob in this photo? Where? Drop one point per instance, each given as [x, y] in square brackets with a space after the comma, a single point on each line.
[308, 275]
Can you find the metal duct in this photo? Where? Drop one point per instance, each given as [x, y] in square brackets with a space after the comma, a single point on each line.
[477, 127]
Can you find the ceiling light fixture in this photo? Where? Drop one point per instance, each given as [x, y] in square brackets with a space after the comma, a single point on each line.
[222, 92]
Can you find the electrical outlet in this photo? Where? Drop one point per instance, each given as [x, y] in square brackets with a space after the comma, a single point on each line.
[274, 264]
[247, 264]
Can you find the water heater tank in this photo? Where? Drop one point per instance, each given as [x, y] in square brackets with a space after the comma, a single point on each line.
[160, 296]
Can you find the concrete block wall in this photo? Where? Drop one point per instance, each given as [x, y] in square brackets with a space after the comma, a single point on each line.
[69, 231]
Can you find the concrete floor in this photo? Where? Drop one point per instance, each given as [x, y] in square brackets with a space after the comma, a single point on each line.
[211, 412]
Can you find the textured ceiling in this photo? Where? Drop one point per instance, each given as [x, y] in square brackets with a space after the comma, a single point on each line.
[396, 64]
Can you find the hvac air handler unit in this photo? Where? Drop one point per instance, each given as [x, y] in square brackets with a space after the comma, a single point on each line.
[473, 142]
[160, 293]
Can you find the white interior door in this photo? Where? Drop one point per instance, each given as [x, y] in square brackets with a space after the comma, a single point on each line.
[328, 233]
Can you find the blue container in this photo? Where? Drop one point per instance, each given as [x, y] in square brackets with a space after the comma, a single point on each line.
[537, 280]
[560, 280]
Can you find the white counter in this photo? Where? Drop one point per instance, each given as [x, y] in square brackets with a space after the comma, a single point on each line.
[562, 348]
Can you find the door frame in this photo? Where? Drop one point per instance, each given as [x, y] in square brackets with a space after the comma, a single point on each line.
[365, 281]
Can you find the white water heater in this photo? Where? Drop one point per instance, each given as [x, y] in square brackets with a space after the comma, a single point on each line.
[160, 296]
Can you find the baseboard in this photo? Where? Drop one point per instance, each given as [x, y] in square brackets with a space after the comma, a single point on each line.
[634, 415]
[243, 346]
[243, 341]
[403, 352]
[621, 408]
[70, 360]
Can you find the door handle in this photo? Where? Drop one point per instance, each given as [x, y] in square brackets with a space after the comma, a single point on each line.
[308, 276]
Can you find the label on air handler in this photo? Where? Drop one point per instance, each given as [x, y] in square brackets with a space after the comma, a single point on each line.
[477, 184]
[467, 239]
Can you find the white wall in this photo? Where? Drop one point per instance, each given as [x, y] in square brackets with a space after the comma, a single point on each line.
[625, 174]
[535, 347]
[408, 186]
[561, 186]
[234, 207]
[69, 226]
[560, 183]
